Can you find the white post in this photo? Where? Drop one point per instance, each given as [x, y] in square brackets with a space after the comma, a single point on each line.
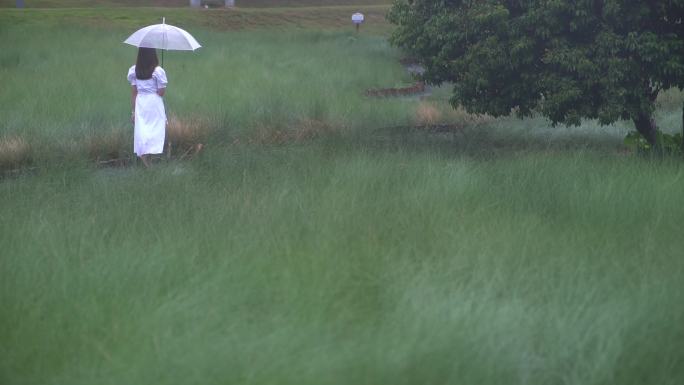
[357, 19]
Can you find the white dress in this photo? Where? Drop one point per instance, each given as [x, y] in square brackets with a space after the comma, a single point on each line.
[150, 116]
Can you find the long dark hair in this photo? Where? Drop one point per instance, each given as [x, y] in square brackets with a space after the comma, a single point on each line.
[146, 63]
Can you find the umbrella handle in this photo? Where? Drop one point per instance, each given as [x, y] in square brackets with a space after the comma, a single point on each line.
[164, 44]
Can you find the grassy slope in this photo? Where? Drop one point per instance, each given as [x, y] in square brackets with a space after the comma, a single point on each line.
[335, 17]
[94, 3]
[508, 253]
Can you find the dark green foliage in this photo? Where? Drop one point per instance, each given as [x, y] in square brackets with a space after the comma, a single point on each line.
[568, 60]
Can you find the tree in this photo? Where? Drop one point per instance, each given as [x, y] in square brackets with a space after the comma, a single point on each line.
[567, 60]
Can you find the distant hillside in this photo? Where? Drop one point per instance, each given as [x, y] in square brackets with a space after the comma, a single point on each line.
[307, 3]
[94, 3]
[183, 3]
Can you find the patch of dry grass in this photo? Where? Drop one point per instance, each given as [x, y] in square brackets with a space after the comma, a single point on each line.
[427, 114]
[462, 118]
[106, 146]
[15, 152]
[430, 115]
[184, 135]
[304, 130]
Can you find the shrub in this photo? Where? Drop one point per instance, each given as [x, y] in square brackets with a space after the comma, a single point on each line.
[669, 144]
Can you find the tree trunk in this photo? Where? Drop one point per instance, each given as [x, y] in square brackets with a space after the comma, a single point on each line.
[646, 126]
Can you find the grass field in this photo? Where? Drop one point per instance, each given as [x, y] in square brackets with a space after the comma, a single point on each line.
[322, 237]
[247, 83]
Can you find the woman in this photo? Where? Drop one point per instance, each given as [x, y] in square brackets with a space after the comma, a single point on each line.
[149, 83]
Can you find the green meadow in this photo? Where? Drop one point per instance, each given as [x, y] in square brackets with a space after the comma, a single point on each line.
[321, 236]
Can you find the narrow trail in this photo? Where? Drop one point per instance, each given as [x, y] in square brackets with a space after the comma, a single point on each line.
[418, 91]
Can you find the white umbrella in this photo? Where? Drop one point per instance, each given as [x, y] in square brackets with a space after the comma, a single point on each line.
[163, 36]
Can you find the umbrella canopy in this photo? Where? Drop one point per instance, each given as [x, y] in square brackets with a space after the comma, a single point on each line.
[163, 36]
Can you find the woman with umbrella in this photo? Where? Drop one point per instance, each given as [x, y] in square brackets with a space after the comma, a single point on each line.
[148, 81]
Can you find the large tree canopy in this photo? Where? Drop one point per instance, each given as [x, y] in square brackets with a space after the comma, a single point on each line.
[569, 60]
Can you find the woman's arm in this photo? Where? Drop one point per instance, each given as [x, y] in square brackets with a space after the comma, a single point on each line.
[134, 94]
[160, 76]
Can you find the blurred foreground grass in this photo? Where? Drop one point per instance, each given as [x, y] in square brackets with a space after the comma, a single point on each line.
[401, 260]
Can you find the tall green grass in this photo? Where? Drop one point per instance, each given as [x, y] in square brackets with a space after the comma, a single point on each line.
[346, 262]
[61, 84]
